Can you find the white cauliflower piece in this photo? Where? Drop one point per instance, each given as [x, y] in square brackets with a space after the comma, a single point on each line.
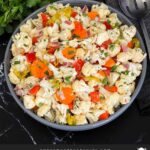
[113, 78]
[65, 35]
[22, 40]
[81, 86]
[66, 24]
[128, 32]
[113, 50]
[51, 10]
[43, 110]
[121, 68]
[68, 72]
[80, 53]
[94, 115]
[102, 37]
[13, 78]
[80, 119]
[138, 55]
[89, 69]
[113, 34]
[27, 27]
[124, 56]
[81, 107]
[19, 63]
[102, 10]
[53, 31]
[124, 99]
[135, 68]
[114, 19]
[124, 88]
[28, 101]
[112, 102]
[42, 44]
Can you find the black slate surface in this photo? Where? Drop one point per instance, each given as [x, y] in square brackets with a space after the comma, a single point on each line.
[16, 127]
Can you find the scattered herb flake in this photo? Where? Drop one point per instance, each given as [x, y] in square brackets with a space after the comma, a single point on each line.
[16, 62]
[114, 68]
[105, 81]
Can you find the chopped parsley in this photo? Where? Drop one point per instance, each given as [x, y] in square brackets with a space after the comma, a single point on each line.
[16, 62]
[114, 68]
[108, 21]
[126, 72]
[105, 81]
[102, 97]
[40, 104]
[112, 47]
[52, 7]
[106, 54]
[67, 79]
[84, 14]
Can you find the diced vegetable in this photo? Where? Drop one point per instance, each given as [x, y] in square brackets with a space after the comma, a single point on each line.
[44, 19]
[52, 49]
[69, 52]
[106, 44]
[92, 15]
[111, 88]
[70, 106]
[65, 95]
[31, 57]
[40, 70]
[105, 81]
[102, 73]
[130, 44]
[79, 30]
[108, 26]
[71, 119]
[78, 65]
[104, 116]
[95, 96]
[34, 40]
[110, 63]
[74, 14]
[34, 90]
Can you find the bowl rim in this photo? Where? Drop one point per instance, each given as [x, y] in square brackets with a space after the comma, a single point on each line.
[78, 127]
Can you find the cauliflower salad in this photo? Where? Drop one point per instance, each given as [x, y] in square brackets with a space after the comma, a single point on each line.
[74, 65]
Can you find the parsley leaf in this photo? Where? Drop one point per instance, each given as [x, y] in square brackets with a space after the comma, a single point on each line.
[105, 81]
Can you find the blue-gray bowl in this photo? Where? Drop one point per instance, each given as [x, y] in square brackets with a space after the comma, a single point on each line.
[139, 84]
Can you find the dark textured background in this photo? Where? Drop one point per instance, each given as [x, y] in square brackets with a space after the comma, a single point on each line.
[18, 128]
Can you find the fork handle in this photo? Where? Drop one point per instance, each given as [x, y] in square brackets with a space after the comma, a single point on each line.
[146, 36]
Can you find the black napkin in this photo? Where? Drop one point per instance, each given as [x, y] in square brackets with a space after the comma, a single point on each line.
[143, 99]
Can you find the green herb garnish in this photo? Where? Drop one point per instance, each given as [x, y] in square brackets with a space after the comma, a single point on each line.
[112, 47]
[114, 68]
[126, 72]
[105, 81]
[16, 62]
[67, 79]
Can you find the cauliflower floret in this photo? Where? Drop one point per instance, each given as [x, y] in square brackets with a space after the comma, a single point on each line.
[124, 56]
[135, 68]
[49, 58]
[65, 35]
[27, 27]
[113, 34]
[46, 85]
[128, 32]
[66, 24]
[42, 44]
[53, 31]
[81, 86]
[68, 72]
[113, 77]
[57, 73]
[43, 110]
[80, 119]
[15, 50]
[83, 96]
[102, 37]
[114, 19]
[102, 10]
[94, 115]
[121, 68]
[89, 69]
[80, 53]
[22, 40]
[113, 50]
[138, 55]
[81, 107]
[124, 99]
[28, 101]
[50, 115]
[96, 28]
[51, 10]
[13, 78]
[124, 88]
[112, 102]
[19, 63]
[61, 112]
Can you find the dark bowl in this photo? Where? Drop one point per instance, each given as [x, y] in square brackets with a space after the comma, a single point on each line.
[139, 84]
